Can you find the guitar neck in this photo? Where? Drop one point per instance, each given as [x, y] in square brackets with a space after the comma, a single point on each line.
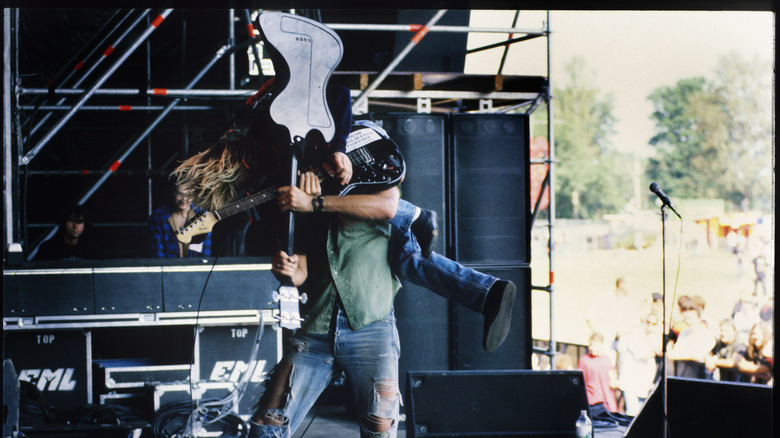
[246, 203]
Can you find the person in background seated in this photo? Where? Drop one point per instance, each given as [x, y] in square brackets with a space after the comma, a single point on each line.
[68, 243]
[599, 374]
[164, 223]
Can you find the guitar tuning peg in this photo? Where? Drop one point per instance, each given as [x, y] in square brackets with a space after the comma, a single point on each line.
[304, 298]
[276, 296]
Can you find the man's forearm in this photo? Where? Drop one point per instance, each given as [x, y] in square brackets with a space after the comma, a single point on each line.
[379, 206]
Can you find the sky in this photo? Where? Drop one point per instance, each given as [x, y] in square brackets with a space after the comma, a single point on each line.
[627, 54]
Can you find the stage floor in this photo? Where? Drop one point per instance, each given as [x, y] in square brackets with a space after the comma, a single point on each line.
[333, 421]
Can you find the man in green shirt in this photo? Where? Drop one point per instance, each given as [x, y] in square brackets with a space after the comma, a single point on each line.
[349, 323]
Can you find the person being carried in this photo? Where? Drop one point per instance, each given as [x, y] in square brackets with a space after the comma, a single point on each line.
[236, 162]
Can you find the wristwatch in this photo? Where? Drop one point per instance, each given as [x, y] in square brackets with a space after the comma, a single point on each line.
[318, 203]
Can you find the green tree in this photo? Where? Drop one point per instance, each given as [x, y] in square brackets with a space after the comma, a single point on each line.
[714, 137]
[591, 179]
[678, 141]
[745, 88]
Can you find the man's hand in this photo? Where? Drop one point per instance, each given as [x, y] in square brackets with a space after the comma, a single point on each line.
[292, 267]
[310, 184]
[284, 265]
[298, 199]
[339, 167]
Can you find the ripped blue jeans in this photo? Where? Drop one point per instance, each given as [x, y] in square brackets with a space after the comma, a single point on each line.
[369, 359]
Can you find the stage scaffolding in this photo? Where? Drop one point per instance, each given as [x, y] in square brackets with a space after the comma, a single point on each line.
[34, 116]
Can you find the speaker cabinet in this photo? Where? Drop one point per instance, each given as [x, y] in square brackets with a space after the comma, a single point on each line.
[421, 139]
[515, 353]
[491, 185]
[423, 317]
[494, 403]
[706, 408]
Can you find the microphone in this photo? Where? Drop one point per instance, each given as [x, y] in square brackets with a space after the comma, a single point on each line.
[655, 188]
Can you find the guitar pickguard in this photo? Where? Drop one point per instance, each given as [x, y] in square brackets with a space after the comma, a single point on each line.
[311, 52]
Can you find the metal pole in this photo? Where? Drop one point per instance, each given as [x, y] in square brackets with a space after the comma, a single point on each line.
[34, 151]
[123, 108]
[432, 28]
[106, 54]
[251, 36]
[551, 174]
[8, 174]
[149, 187]
[506, 47]
[664, 379]
[363, 97]
[231, 41]
[148, 92]
[80, 62]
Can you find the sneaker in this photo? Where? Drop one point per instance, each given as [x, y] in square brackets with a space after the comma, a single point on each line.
[426, 231]
[498, 314]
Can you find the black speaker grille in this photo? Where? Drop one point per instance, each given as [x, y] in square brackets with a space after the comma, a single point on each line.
[491, 185]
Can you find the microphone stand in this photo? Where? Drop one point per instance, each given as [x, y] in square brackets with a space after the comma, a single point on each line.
[665, 334]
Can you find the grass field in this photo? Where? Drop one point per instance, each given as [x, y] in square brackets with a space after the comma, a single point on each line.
[581, 275]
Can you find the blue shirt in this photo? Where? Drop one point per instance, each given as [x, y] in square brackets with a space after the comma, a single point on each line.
[162, 241]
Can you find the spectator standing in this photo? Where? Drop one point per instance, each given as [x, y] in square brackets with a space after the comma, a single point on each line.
[755, 365]
[613, 314]
[692, 344]
[746, 314]
[722, 360]
[759, 270]
[637, 363]
[599, 374]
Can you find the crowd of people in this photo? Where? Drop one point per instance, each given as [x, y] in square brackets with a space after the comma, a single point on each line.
[626, 347]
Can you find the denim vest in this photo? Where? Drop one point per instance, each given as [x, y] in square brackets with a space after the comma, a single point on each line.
[353, 265]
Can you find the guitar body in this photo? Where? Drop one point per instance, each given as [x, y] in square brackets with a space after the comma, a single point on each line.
[377, 163]
[305, 54]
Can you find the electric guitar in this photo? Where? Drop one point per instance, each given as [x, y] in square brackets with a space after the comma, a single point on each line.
[377, 164]
[304, 54]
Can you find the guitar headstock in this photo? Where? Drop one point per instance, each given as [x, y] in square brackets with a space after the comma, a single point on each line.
[289, 314]
[200, 224]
